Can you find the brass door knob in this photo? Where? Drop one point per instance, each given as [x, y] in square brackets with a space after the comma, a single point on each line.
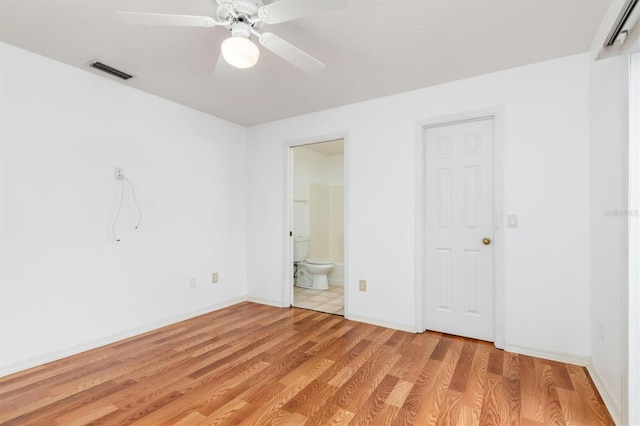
[486, 241]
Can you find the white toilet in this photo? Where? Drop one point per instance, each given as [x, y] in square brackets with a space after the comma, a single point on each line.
[309, 273]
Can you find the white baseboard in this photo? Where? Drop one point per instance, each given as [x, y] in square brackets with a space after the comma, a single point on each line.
[76, 349]
[614, 407]
[395, 326]
[276, 303]
[336, 283]
[550, 355]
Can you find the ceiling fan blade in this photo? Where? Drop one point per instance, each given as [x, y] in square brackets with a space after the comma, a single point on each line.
[141, 18]
[287, 10]
[291, 54]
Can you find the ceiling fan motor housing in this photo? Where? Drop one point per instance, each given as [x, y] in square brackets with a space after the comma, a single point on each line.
[247, 7]
[240, 29]
[240, 10]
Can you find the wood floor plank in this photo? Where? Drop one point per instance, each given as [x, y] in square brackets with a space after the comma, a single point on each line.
[367, 379]
[277, 403]
[408, 413]
[367, 413]
[511, 382]
[45, 415]
[463, 368]
[347, 372]
[452, 411]
[225, 413]
[493, 411]
[84, 417]
[474, 392]
[531, 390]
[589, 399]
[340, 418]
[496, 362]
[387, 415]
[399, 393]
[434, 403]
[344, 360]
[253, 364]
[414, 357]
[553, 410]
[310, 398]
[193, 419]
[561, 377]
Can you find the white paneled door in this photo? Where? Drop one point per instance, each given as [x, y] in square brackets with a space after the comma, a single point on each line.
[459, 229]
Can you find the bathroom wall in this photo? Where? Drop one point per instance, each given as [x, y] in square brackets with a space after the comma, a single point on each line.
[319, 220]
[335, 164]
[308, 166]
[318, 207]
[336, 223]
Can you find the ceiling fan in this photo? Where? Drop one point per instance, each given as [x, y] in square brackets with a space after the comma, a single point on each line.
[244, 18]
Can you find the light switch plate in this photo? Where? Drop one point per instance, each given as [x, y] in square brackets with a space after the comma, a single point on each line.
[512, 221]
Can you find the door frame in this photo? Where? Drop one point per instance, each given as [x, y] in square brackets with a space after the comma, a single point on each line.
[287, 244]
[496, 114]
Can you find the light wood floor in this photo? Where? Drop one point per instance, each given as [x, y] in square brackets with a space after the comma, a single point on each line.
[254, 364]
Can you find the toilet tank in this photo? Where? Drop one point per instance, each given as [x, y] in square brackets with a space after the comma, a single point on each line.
[300, 248]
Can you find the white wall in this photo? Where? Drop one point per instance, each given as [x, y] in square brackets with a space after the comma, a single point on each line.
[633, 372]
[65, 285]
[608, 169]
[607, 236]
[545, 182]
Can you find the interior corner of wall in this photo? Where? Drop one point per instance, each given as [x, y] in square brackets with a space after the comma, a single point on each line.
[610, 401]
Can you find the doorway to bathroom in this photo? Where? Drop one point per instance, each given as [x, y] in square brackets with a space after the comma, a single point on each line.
[317, 226]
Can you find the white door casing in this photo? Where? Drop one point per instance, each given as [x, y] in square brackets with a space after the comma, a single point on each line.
[459, 274]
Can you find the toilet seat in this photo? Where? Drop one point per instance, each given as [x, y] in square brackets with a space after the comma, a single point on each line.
[317, 262]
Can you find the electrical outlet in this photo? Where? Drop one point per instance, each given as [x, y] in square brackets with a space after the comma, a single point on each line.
[119, 175]
[193, 283]
[363, 285]
[214, 278]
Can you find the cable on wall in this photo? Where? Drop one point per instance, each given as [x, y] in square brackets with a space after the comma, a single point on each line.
[119, 175]
[135, 200]
[115, 218]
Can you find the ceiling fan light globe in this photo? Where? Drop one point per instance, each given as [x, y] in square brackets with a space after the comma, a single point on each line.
[240, 52]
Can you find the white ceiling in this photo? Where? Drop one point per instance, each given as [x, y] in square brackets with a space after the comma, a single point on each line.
[373, 48]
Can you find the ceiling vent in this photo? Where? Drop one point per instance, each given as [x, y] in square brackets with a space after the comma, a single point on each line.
[110, 70]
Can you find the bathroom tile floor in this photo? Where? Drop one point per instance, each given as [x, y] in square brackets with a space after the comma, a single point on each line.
[330, 301]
